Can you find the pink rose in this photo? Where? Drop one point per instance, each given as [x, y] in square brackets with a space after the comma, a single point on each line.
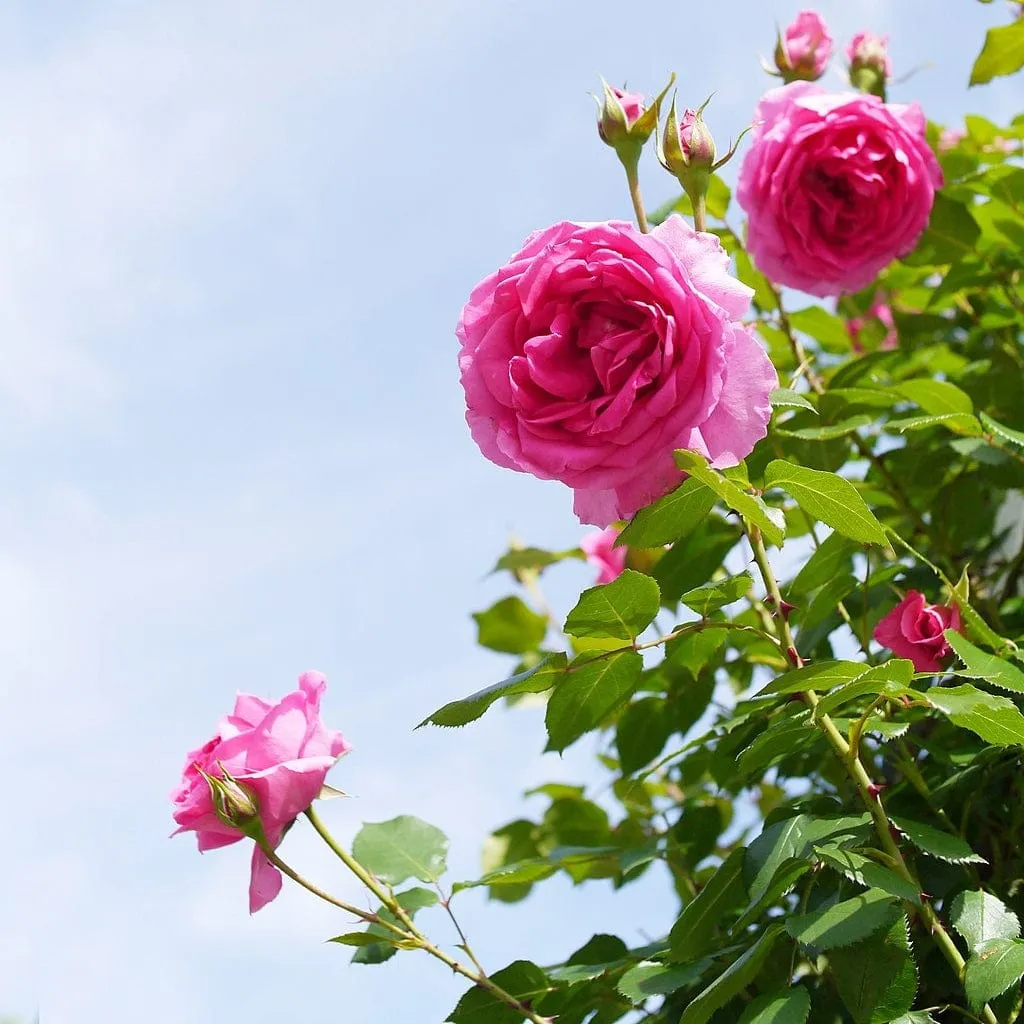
[597, 350]
[280, 754]
[866, 50]
[881, 311]
[804, 49]
[835, 186]
[599, 547]
[914, 630]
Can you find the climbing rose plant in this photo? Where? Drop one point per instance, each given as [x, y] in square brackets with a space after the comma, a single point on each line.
[800, 660]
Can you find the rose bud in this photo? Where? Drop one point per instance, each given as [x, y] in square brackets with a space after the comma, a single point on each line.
[870, 66]
[803, 50]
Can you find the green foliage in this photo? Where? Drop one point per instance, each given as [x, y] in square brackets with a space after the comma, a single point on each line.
[401, 848]
[510, 626]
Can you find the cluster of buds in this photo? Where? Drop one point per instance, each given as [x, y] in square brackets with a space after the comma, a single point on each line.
[804, 48]
[685, 146]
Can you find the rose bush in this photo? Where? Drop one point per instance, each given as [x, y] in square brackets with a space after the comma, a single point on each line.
[280, 753]
[597, 350]
[835, 186]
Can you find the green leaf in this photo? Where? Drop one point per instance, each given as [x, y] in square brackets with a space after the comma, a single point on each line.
[749, 506]
[891, 678]
[733, 980]
[995, 719]
[787, 398]
[590, 691]
[404, 847]
[524, 871]
[823, 326]
[958, 422]
[940, 845]
[864, 871]
[535, 680]
[951, 233]
[1002, 54]
[651, 978]
[792, 1007]
[979, 664]
[1003, 432]
[705, 600]
[936, 397]
[620, 610]
[846, 922]
[793, 838]
[517, 559]
[914, 1017]
[979, 917]
[876, 977]
[818, 677]
[694, 932]
[828, 498]
[993, 967]
[781, 738]
[671, 517]
[831, 559]
[511, 627]
[522, 979]
[830, 431]
[641, 733]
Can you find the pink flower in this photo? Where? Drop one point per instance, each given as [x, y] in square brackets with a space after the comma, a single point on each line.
[879, 310]
[949, 138]
[835, 186]
[866, 50]
[280, 754]
[804, 49]
[597, 350]
[599, 547]
[914, 630]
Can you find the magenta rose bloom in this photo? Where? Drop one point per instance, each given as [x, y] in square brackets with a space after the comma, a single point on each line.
[280, 754]
[597, 350]
[835, 186]
[599, 547]
[915, 630]
[804, 49]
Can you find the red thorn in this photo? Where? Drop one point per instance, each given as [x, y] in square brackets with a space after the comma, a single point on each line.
[875, 788]
[793, 656]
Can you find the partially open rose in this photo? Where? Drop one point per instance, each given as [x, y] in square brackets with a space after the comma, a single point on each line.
[915, 629]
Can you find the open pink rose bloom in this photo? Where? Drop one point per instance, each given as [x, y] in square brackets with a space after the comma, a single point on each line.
[835, 185]
[597, 350]
[278, 752]
[915, 629]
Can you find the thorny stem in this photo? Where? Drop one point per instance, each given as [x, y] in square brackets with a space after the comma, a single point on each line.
[409, 931]
[850, 758]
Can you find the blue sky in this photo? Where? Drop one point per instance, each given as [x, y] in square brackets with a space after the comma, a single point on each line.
[236, 238]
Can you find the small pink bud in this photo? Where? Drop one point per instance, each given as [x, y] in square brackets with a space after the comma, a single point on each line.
[870, 66]
[803, 50]
[625, 123]
[950, 138]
